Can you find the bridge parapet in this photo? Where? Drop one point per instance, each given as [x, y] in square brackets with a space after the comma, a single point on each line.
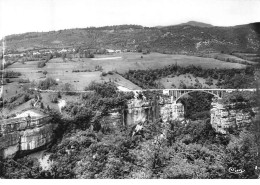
[176, 94]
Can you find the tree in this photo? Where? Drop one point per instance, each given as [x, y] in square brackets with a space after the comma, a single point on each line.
[63, 56]
[49, 57]
[68, 89]
[41, 64]
[103, 89]
[241, 154]
[41, 105]
[47, 83]
[24, 168]
[44, 72]
[182, 85]
[209, 81]
[53, 97]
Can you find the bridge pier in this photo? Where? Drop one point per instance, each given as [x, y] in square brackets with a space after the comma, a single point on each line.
[177, 111]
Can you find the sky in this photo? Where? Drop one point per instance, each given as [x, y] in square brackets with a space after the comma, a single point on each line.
[20, 16]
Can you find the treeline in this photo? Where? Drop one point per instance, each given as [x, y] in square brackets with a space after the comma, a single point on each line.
[10, 74]
[226, 78]
[43, 63]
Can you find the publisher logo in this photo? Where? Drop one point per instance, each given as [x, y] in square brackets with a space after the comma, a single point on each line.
[235, 171]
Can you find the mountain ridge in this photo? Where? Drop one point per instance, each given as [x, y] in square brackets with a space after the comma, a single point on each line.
[190, 23]
[176, 38]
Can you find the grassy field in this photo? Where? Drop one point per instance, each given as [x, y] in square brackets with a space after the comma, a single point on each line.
[121, 62]
[154, 61]
[231, 58]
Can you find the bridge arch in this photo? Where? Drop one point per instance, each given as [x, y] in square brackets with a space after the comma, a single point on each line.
[217, 95]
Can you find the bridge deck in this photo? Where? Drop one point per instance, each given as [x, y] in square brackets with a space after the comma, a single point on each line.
[227, 90]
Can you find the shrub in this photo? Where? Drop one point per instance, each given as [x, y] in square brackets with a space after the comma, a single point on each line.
[67, 87]
[47, 83]
[23, 81]
[44, 72]
[53, 97]
[182, 85]
[10, 74]
[103, 74]
[110, 72]
[105, 89]
[41, 64]
[209, 81]
[98, 68]
[91, 55]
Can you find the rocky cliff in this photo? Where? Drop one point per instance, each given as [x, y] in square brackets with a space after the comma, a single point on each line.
[222, 118]
[19, 134]
[142, 109]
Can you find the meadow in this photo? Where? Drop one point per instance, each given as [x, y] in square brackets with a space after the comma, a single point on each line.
[62, 70]
[154, 60]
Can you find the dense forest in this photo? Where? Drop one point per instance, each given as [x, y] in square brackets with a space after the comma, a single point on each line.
[88, 146]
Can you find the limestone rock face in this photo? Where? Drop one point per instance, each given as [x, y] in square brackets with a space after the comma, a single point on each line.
[222, 119]
[23, 133]
[137, 111]
[166, 112]
[9, 144]
[35, 138]
[140, 110]
[114, 118]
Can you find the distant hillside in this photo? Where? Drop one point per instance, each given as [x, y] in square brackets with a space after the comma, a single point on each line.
[189, 37]
[194, 23]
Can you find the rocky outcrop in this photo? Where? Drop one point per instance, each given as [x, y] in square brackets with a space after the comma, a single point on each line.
[21, 134]
[35, 138]
[222, 118]
[141, 110]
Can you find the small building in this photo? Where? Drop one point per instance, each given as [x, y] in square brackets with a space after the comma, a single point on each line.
[62, 51]
[36, 53]
[110, 51]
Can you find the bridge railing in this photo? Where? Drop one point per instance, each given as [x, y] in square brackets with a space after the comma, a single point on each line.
[190, 90]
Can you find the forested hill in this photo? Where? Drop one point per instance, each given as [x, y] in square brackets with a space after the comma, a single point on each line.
[178, 38]
[195, 23]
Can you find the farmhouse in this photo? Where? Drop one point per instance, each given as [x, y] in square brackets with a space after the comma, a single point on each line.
[110, 50]
[36, 53]
[62, 51]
